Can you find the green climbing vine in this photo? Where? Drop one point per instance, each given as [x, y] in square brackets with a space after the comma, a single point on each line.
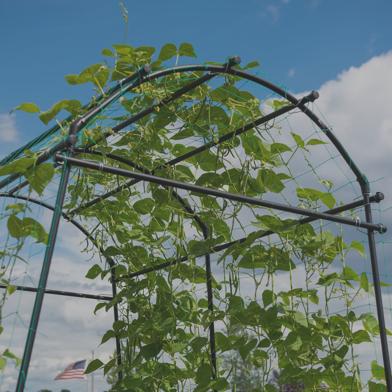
[261, 325]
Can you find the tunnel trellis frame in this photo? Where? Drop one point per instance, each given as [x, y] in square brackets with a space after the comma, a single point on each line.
[68, 149]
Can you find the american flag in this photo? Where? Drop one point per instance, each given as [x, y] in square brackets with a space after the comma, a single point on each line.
[75, 370]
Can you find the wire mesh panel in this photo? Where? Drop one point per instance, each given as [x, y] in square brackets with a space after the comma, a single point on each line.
[200, 191]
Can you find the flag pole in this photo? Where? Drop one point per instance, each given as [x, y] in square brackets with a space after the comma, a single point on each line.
[92, 374]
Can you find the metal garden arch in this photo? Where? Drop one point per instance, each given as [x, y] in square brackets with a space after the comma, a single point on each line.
[66, 151]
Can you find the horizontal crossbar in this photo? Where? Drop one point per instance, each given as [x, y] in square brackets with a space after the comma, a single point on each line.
[61, 292]
[218, 193]
[218, 248]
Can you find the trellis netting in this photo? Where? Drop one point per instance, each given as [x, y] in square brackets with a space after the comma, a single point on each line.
[228, 232]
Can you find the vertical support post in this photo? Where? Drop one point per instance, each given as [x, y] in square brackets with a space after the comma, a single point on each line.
[210, 301]
[43, 278]
[377, 290]
[115, 314]
[211, 308]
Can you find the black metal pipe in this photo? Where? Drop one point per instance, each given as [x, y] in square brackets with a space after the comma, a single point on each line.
[116, 318]
[218, 248]
[43, 279]
[218, 193]
[61, 292]
[378, 292]
[261, 120]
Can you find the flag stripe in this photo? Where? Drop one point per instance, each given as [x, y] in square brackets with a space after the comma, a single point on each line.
[74, 370]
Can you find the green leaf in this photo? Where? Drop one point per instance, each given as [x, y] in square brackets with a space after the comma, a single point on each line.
[349, 274]
[186, 50]
[315, 195]
[270, 180]
[167, 52]
[370, 323]
[144, 206]
[28, 107]
[298, 140]
[377, 371]
[252, 64]
[18, 166]
[19, 228]
[151, 350]
[245, 349]
[39, 176]
[93, 272]
[222, 342]
[8, 354]
[203, 374]
[314, 142]
[72, 106]
[364, 282]
[219, 384]
[93, 365]
[11, 289]
[358, 246]
[107, 52]
[361, 337]
[279, 148]
[376, 387]
[268, 297]
[107, 336]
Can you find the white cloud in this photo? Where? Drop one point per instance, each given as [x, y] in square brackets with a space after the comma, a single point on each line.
[358, 106]
[291, 72]
[8, 130]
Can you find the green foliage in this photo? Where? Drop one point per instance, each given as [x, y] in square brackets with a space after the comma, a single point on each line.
[164, 317]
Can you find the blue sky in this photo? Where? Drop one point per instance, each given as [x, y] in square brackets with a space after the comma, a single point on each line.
[341, 48]
[300, 43]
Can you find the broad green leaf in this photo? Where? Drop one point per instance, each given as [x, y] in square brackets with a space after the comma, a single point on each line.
[93, 365]
[72, 106]
[370, 323]
[268, 297]
[19, 228]
[107, 336]
[17, 166]
[377, 371]
[8, 354]
[39, 176]
[11, 289]
[28, 107]
[377, 387]
[144, 206]
[349, 274]
[298, 140]
[167, 52]
[203, 374]
[107, 52]
[186, 50]
[279, 148]
[358, 246]
[151, 350]
[315, 195]
[361, 337]
[94, 271]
